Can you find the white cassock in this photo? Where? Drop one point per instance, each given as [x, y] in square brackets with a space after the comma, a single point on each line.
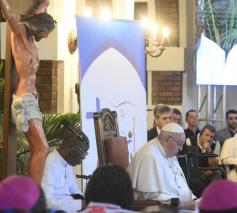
[157, 177]
[59, 184]
[229, 156]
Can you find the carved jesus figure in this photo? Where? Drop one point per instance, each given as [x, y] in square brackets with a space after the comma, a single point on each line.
[25, 109]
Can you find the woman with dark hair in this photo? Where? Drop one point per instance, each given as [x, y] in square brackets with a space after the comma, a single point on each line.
[109, 190]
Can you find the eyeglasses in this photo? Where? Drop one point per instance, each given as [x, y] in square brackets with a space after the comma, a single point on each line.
[177, 142]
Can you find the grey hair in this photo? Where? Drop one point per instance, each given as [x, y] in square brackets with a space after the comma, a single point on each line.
[161, 109]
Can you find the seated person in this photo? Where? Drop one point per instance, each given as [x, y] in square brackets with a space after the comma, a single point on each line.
[21, 193]
[59, 182]
[192, 130]
[109, 190]
[229, 157]
[219, 197]
[204, 143]
[231, 120]
[156, 173]
[162, 115]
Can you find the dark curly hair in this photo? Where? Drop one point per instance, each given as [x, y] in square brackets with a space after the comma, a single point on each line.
[35, 24]
[110, 184]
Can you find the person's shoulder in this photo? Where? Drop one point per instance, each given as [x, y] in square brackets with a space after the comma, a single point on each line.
[222, 131]
[152, 150]
[52, 153]
[188, 133]
[151, 129]
[151, 146]
[187, 130]
[21, 32]
[151, 134]
[193, 139]
[52, 157]
[230, 140]
[147, 150]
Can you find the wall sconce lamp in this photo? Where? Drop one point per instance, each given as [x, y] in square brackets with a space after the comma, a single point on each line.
[154, 38]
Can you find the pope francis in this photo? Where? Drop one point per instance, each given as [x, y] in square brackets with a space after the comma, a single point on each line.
[155, 171]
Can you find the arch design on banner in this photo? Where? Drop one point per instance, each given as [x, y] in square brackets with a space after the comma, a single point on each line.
[111, 76]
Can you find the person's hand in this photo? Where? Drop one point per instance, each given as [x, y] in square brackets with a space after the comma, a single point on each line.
[46, 2]
[206, 146]
[213, 161]
[188, 205]
[207, 173]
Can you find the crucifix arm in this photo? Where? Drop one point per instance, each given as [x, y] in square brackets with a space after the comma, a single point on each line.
[10, 17]
[40, 8]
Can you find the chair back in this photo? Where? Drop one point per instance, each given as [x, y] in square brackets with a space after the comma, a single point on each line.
[111, 148]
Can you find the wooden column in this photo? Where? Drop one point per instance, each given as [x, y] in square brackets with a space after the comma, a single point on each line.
[9, 161]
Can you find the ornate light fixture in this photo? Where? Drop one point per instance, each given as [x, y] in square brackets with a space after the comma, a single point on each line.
[154, 38]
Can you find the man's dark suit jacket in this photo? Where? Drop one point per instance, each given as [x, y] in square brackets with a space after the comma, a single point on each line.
[223, 134]
[152, 133]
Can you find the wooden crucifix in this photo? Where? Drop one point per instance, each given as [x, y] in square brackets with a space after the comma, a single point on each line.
[9, 131]
[24, 33]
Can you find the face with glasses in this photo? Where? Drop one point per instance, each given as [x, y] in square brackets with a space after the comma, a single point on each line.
[174, 143]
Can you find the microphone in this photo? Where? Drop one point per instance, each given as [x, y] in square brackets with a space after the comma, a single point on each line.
[193, 152]
[202, 155]
[197, 155]
[84, 176]
[181, 156]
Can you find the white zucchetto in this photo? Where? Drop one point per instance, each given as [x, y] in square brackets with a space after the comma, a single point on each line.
[172, 127]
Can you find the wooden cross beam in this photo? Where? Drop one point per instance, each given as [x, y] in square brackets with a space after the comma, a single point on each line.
[7, 107]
